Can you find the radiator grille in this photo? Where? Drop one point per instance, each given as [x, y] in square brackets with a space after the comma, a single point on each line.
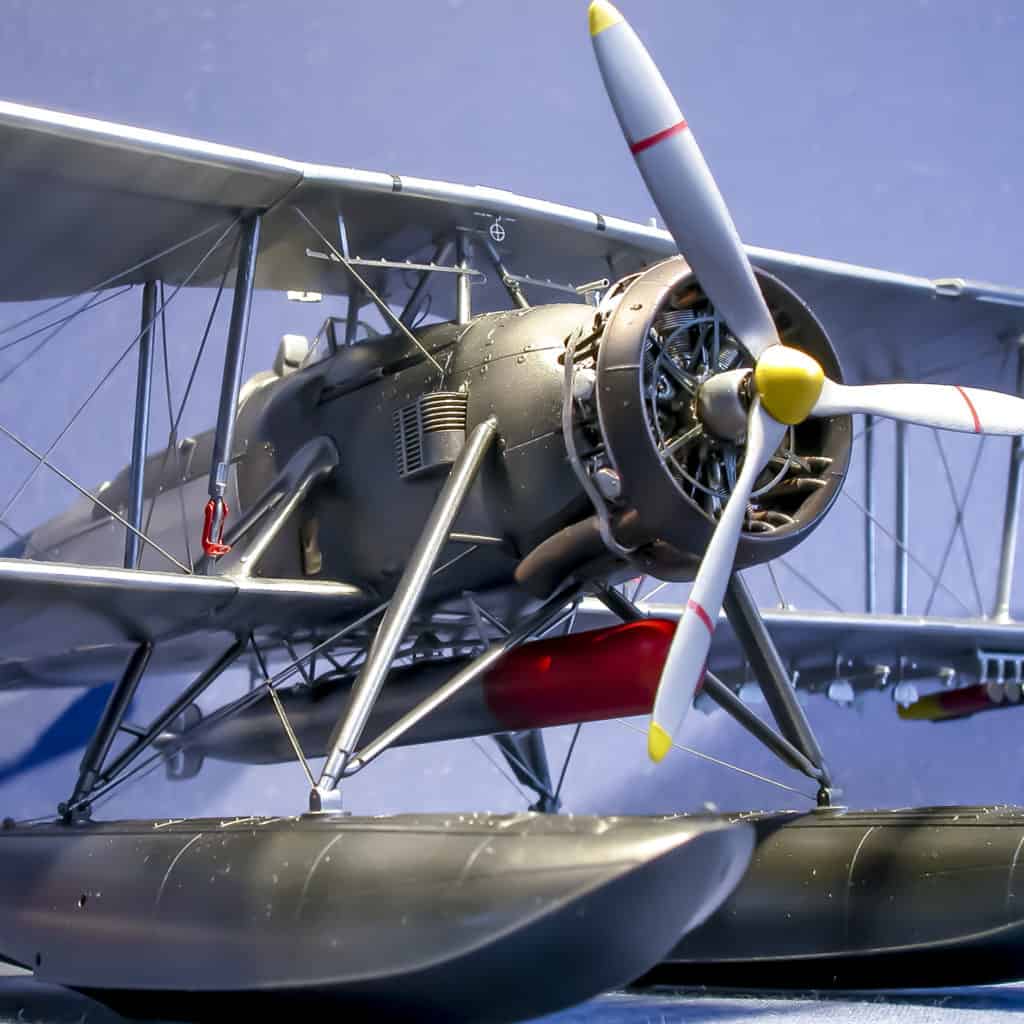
[430, 432]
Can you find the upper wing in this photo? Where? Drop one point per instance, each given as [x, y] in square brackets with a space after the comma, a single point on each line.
[83, 200]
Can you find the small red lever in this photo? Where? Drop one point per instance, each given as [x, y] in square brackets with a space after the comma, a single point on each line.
[214, 517]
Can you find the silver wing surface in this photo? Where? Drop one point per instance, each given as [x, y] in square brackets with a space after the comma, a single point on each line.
[76, 625]
[86, 204]
[82, 200]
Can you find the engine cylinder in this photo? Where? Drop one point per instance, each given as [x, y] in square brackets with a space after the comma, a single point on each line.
[657, 341]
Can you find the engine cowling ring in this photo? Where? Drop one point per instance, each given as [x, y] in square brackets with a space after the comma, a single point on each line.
[667, 526]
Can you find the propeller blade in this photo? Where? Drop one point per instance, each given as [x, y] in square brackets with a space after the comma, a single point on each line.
[947, 407]
[687, 656]
[678, 179]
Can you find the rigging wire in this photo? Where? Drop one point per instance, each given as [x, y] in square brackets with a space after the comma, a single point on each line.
[960, 505]
[655, 590]
[809, 583]
[501, 771]
[107, 797]
[997, 347]
[512, 754]
[94, 302]
[775, 583]
[281, 714]
[725, 764]
[227, 710]
[41, 460]
[568, 758]
[308, 675]
[153, 762]
[170, 424]
[291, 669]
[380, 303]
[103, 284]
[903, 547]
[172, 438]
[570, 626]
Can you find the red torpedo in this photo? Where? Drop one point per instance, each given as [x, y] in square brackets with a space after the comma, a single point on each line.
[583, 677]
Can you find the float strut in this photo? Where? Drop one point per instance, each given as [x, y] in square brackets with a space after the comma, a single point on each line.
[617, 603]
[396, 620]
[173, 710]
[543, 618]
[771, 674]
[110, 721]
[737, 710]
[527, 758]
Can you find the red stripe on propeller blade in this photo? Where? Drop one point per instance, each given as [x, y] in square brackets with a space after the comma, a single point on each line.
[702, 615]
[970, 405]
[653, 140]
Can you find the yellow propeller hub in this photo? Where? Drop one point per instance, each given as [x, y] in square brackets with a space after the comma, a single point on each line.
[602, 15]
[788, 382]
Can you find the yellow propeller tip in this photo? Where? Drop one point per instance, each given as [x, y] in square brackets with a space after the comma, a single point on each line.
[659, 743]
[602, 15]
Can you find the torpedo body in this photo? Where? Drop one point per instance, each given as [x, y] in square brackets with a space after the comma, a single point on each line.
[584, 677]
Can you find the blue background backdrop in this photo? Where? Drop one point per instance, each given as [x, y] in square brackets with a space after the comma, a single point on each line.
[878, 133]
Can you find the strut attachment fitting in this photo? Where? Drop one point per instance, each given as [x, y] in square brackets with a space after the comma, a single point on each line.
[214, 517]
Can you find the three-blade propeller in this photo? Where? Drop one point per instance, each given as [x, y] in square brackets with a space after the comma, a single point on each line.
[789, 386]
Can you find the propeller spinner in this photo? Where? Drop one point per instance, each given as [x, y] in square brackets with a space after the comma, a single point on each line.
[788, 385]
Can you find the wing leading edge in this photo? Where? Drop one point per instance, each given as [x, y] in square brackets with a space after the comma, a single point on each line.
[109, 197]
[75, 625]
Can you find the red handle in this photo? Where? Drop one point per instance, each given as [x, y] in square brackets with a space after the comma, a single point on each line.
[214, 517]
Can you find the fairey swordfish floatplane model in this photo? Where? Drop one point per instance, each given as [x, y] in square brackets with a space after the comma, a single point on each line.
[394, 525]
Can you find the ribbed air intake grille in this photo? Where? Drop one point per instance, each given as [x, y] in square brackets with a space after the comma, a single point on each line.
[443, 410]
[430, 432]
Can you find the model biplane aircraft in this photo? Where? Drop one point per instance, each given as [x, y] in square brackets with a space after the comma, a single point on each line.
[394, 523]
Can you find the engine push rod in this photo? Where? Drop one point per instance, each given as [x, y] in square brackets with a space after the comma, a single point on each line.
[393, 626]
